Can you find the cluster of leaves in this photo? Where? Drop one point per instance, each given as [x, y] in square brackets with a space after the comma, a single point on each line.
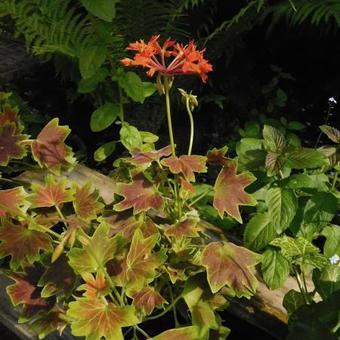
[104, 267]
[298, 202]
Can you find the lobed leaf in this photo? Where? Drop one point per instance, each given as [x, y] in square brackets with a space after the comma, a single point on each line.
[182, 229]
[144, 159]
[8, 115]
[52, 194]
[94, 286]
[186, 165]
[232, 266]
[96, 319]
[140, 195]
[148, 299]
[22, 244]
[13, 202]
[229, 191]
[11, 144]
[182, 333]
[49, 149]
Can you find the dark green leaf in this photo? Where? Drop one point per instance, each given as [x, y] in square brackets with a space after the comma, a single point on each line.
[292, 301]
[91, 59]
[327, 281]
[103, 9]
[104, 116]
[90, 84]
[104, 151]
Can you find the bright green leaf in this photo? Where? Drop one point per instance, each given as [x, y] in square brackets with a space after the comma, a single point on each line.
[130, 137]
[301, 158]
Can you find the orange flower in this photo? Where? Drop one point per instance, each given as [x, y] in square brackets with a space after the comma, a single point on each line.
[170, 59]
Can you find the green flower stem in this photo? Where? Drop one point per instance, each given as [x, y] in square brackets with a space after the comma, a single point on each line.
[335, 179]
[168, 114]
[192, 126]
[121, 104]
[142, 331]
[301, 287]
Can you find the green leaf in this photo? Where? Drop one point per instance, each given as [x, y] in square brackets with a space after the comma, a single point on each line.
[232, 266]
[302, 158]
[183, 333]
[96, 251]
[130, 137]
[320, 208]
[104, 151]
[91, 59]
[332, 133]
[292, 301]
[259, 231]
[332, 244]
[148, 137]
[275, 268]
[148, 89]
[282, 207]
[104, 116]
[97, 319]
[327, 281]
[300, 181]
[250, 153]
[294, 125]
[274, 140]
[90, 84]
[134, 87]
[103, 9]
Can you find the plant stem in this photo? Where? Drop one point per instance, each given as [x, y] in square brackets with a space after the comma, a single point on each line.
[121, 105]
[192, 126]
[140, 330]
[335, 179]
[174, 312]
[300, 284]
[168, 114]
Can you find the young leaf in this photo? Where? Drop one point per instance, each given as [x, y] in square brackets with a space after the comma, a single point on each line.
[140, 195]
[186, 228]
[273, 163]
[148, 299]
[282, 206]
[8, 115]
[86, 203]
[275, 268]
[186, 165]
[259, 231]
[58, 278]
[103, 9]
[22, 244]
[144, 159]
[96, 319]
[141, 263]
[104, 116]
[332, 133]
[94, 286]
[13, 201]
[301, 158]
[182, 333]
[232, 266]
[229, 191]
[99, 249]
[130, 137]
[217, 156]
[274, 140]
[11, 146]
[49, 149]
[51, 194]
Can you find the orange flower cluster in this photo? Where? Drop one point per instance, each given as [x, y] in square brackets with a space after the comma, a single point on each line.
[170, 59]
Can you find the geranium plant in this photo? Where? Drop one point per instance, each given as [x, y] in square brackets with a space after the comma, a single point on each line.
[111, 268]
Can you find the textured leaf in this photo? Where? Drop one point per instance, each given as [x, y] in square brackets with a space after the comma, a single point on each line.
[25, 291]
[186, 228]
[12, 201]
[332, 244]
[250, 153]
[22, 244]
[8, 115]
[51, 194]
[140, 195]
[144, 159]
[282, 206]
[229, 191]
[11, 146]
[148, 299]
[275, 268]
[49, 149]
[305, 158]
[96, 319]
[186, 165]
[300, 251]
[86, 203]
[292, 301]
[99, 249]
[232, 266]
[273, 162]
[103, 9]
[259, 231]
[274, 140]
[104, 116]
[332, 133]
[130, 137]
[58, 278]
[183, 333]
[94, 286]
[141, 264]
[217, 156]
